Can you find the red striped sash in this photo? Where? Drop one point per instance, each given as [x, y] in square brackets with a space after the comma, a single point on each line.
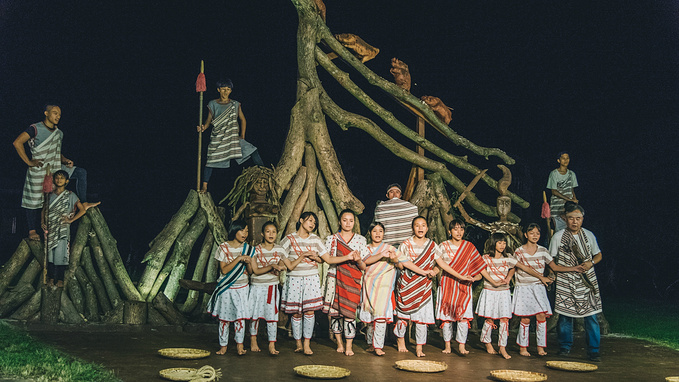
[415, 290]
[457, 293]
[348, 288]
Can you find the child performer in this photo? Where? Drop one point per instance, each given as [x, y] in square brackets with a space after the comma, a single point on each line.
[377, 309]
[57, 226]
[455, 295]
[343, 287]
[227, 140]
[229, 301]
[263, 298]
[530, 295]
[495, 299]
[413, 288]
[302, 290]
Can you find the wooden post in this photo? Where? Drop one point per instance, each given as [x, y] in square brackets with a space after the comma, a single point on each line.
[203, 258]
[91, 309]
[109, 245]
[81, 236]
[12, 300]
[107, 278]
[75, 292]
[168, 310]
[29, 308]
[135, 312]
[51, 305]
[184, 245]
[160, 246]
[67, 313]
[99, 287]
[14, 265]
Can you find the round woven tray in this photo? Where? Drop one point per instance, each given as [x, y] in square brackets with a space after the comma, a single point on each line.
[322, 371]
[518, 376]
[178, 373]
[183, 353]
[671, 379]
[571, 366]
[421, 366]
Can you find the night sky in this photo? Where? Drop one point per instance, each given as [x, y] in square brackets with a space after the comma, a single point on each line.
[598, 79]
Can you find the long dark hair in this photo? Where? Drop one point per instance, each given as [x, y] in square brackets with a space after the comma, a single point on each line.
[303, 217]
[494, 238]
[237, 225]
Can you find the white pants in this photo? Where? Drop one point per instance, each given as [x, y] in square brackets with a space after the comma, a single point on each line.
[420, 331]
[308, 331]
[503, 333]
[238, 328]
[271, 329]
[375, 333]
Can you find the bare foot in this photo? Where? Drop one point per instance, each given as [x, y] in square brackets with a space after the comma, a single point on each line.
[340, 348]
[379, 352]
[349, 352]
[370, 349]
[446, 349]
[32, 235]
[272, 348]
[350, 349]
[524, 352]
[401, 342]
[462, 349]
[221, 351]
[503, 352]
[490, 349]
[240, 349]
[418, 351]
[307, 347]
[254, 346]
[299, 347]
[541, 351]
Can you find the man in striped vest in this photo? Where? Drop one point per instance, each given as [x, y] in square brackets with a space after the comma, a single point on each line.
[397, 216]
[44, 140]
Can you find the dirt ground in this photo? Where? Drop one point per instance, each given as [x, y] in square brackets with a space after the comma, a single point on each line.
[131, 352]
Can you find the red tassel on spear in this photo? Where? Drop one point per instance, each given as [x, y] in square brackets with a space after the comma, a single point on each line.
[546, 213]
[200, 88]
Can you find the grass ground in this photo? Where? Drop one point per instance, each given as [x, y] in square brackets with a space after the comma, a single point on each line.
[649, 320]
[22, 356]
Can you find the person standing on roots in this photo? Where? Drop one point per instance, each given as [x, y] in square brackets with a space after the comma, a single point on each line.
[495, 301]
[263, 297]
[227, 140]
[44, 140]
[530, 295]
[229, 301]
[577, 295]
[376, 309]
[562, 182]
[455, 295]
[343, 287]
[397, 216]
[57, 225]
[301, 295]
[417, 257]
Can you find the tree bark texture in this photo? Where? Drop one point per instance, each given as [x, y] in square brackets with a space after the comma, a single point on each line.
[293, 194]
[90, 296]
[75, 293]
[105, 272]
[160, 246]
[29, 308]
[135, 312]
[77, 245]
[13, 299]
[67, 313]
[109, 245]
[203, 258]
[99, 288]
[184, 245]
[14, 265]
[50, 305]
[168, 310]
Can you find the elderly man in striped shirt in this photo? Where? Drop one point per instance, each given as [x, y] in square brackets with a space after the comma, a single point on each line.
[397, 216]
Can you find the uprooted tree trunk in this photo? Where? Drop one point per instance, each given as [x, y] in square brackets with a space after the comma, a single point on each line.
[308, 147]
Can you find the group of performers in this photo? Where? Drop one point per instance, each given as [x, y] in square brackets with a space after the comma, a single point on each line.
[377, 284]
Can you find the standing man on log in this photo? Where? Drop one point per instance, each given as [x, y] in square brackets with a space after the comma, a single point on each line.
[397, 216]
[44, 140]
[577, 294]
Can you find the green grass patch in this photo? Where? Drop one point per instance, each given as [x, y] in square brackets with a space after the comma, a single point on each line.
[650, 320]
[22, 356]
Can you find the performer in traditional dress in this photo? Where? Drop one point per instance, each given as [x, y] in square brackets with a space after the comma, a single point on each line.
[302, 289]
[61, 212]
[562, 183]
[44, 139]
[227, 140]
[347, 250]
[577, 295]
[455, 295]
[530, 295]
[263, 298]
[417, 257]
[397, 216]
[495, 300]
[229, 301]
[377, 292]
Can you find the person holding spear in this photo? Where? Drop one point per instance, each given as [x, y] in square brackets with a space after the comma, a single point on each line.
[227, 140]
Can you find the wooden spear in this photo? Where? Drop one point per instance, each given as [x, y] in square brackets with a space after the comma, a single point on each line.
[47, 188]
[200, 88]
